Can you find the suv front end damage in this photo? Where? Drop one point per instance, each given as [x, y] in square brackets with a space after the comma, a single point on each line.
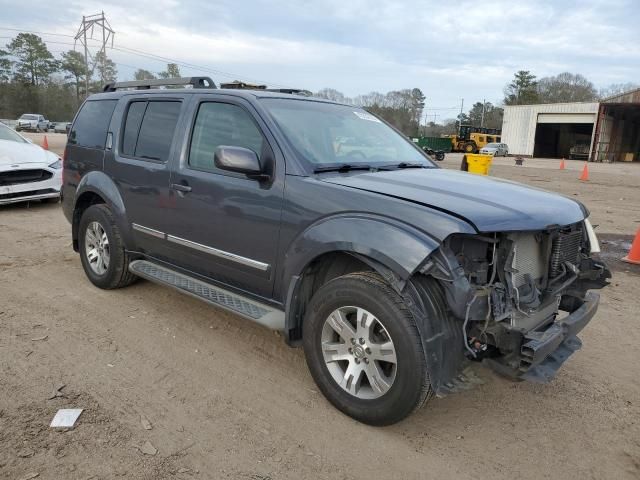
[520, 298]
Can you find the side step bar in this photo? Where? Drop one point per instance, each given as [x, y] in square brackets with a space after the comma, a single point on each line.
[258, 312]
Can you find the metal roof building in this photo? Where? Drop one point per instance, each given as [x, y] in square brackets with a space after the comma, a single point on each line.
[609, 130]
[548, 130]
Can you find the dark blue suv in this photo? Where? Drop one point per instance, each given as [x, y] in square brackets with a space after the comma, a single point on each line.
[322, 221]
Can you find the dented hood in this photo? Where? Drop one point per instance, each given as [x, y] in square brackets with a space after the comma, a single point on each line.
[489, 204]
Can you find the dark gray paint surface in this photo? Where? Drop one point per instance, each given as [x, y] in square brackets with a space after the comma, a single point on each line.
[395, 218]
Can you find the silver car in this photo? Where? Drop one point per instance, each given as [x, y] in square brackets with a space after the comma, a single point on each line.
[27, 171]
[495, 149]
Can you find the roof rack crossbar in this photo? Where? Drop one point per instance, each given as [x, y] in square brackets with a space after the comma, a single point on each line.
[195, 82]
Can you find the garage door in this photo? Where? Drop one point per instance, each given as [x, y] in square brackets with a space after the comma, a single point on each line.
[566, 117]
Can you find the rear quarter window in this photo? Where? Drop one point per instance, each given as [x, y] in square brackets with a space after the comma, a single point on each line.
[91, 125]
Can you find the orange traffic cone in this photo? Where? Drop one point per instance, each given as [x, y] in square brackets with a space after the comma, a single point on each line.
[562, 164]
[45, 143]
[585, 173]
[634, 253]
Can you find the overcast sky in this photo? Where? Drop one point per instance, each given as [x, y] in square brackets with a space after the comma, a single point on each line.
[470, 50]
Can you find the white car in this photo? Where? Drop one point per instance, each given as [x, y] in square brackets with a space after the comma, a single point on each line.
[33, 122]
[27, 171]
[495, 149]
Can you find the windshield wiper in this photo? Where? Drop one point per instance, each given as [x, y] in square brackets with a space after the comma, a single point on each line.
[404, 165]
[345, 167]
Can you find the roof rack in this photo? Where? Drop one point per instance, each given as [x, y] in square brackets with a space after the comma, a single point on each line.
[292, 91]
[195, 82]
[238, 85]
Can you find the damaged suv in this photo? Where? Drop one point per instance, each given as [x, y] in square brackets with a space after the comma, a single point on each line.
[391, 273]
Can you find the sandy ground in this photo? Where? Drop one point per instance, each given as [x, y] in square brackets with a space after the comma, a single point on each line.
[173, 388]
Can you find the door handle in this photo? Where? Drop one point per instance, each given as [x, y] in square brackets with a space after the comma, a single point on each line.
[180, 187]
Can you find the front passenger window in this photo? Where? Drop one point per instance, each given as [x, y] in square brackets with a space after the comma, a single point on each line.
[221, 124]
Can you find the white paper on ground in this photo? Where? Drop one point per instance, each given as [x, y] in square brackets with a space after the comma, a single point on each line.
[66, 417]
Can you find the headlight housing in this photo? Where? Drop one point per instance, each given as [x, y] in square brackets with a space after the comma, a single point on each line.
[57, 165]
[593, 239]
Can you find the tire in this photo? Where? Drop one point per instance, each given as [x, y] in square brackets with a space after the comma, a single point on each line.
[470, 147]
[115, 273]
[395, 390]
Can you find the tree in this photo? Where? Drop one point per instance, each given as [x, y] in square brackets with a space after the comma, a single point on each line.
[142, 74]
[34, 62]
[172, 71]
[5, 66]
[522, 90]
[331, 94]
[617, 89]
[492, 116]
[107, 71]
[73, 63]
[566, 87]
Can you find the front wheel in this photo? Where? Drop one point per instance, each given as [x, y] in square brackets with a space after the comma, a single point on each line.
[364, 350]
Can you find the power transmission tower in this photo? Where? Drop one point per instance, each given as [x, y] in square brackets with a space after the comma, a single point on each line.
[89, 25]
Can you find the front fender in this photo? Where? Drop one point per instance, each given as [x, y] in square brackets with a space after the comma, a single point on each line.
[96, 182]
[396, 245]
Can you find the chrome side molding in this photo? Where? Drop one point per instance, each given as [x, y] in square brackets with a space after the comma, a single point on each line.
[219, 253]
[249, 262]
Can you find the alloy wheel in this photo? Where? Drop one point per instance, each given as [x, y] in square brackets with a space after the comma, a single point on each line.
[359, 352]
[97, 249]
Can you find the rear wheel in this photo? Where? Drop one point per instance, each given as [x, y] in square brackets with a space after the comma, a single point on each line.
[470, 147]
[364, 350]
[104, 258]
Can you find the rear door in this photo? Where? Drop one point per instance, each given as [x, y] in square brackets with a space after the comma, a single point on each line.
[225, 225]
[138, 163]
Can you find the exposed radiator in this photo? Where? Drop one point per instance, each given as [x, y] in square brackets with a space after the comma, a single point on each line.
[528, 258]
[565, 248]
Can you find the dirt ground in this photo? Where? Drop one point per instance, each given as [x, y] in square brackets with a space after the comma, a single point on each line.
[174, 388]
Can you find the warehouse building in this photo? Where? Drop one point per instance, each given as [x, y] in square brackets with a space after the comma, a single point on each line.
[604, 131]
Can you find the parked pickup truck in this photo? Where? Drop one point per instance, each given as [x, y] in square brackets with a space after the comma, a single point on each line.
[32, 122]
[392, 273]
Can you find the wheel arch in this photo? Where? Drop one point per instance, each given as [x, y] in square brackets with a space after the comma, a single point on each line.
[96, 187]
[346, 244]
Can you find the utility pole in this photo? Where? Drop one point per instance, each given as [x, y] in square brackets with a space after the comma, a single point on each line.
[482, 118]
[460, 116]
[89, 23]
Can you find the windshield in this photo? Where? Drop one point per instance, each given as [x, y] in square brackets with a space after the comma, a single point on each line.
[328, 134]
[27, 116]
[492, 145]
[7, 134]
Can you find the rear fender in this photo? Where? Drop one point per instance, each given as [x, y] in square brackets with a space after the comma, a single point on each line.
[96, 182]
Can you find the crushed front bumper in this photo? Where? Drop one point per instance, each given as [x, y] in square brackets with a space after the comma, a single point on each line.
[544, 352]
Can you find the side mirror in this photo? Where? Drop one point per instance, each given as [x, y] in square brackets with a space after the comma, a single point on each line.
[238, 159]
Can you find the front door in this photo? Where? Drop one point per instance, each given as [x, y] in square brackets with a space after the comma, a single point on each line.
[225, 226]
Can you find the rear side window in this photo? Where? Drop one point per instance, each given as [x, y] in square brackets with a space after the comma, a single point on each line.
[91, 125]
[221, 124]
[132, 127]
[149, 129]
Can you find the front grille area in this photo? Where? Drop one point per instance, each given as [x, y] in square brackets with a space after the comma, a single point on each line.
[17, 177]
[565, 248]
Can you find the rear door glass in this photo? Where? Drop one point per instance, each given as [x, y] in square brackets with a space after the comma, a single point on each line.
[91, 125]
[132, 127]
[157, 130]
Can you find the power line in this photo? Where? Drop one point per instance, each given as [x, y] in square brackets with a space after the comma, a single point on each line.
[152, 56]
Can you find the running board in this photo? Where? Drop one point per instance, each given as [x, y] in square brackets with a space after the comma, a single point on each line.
[258, 312]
